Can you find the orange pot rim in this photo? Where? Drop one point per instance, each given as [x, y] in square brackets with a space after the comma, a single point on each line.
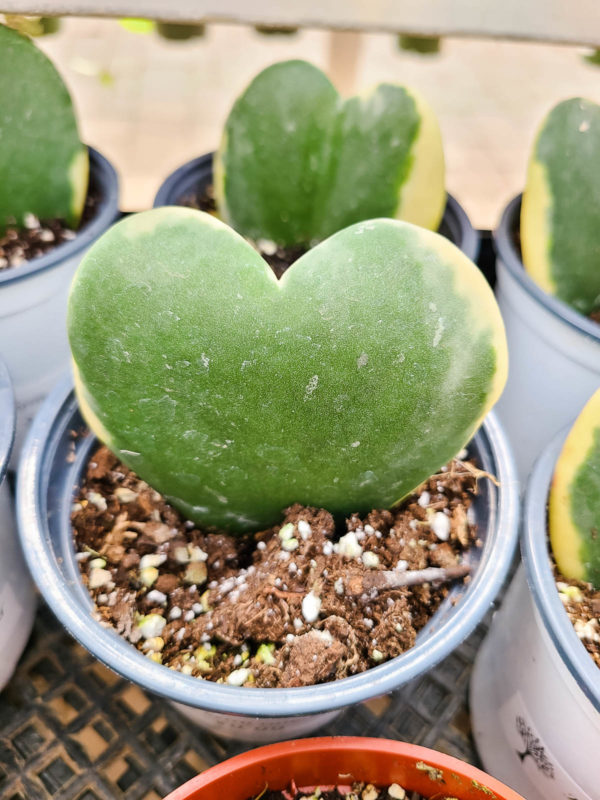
[480, 783]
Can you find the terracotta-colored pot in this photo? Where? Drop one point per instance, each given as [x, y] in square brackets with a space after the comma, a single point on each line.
[341, 760]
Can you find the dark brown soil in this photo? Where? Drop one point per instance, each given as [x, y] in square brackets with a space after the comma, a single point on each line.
[278, 258]
[582, 604]
[20, 245]
[358, 791]
[290, 606]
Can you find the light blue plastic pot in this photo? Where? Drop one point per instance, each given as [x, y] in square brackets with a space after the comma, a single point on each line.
[554, 352]
[33, 305]
[17, 595]
[535, 690]
[192, 178]
[52, 465]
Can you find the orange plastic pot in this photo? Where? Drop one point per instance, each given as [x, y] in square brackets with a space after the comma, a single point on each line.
[334, 760]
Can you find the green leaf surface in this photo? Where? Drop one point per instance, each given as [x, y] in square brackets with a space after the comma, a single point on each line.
[297, 163]
[43, 165]
[561, 205]
[574, 506]
[343, 385]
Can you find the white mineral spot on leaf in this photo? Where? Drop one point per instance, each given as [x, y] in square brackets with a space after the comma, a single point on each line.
[584, 126]
[310, 387]
[355, 444]
[311, 607]
[362, 360]
[438, 332]
[204, 361]
[432, 307]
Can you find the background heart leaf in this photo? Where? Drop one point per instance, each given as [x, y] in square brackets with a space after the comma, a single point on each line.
[574, 507]
[298, 163]
[560, 234]
[43, 164]
[344, 385]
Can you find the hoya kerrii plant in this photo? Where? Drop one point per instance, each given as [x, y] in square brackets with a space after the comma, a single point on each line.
[43, 164]
[560, 235]
[297, 162]
[574, 507]
[343, 385]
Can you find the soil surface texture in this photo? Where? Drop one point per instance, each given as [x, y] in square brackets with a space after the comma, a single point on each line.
[582, 604]
[38, 237]
[298, 604]
[358, 791]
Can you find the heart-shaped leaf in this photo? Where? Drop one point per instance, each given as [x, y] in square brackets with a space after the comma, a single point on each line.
[560, 234]
[297, 163]
[43, 165]
[574, 507]
[343, 385]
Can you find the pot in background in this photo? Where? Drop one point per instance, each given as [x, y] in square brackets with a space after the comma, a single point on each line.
[554, 352]
[17, 594]
[341, 760]
[195, 176]
[52, 465]
[33, 305]
[535, 690]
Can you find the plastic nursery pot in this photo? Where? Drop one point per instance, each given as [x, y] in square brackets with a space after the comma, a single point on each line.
[331, 761]
[17, 595]
[554, 352]
[535, 690]
[194, 177]
[52, 464]
[33, 303]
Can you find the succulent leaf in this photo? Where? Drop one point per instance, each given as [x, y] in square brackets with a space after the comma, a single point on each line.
[574, 508]
[344, 385]
[560, 234]
[43, 165]
[297, 163]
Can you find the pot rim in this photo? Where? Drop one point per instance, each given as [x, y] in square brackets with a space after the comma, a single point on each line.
[106, 176]
[7, 418]
[536, 557]
[340, 744]
[37, 456]
[469, 244]
[509, 257]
